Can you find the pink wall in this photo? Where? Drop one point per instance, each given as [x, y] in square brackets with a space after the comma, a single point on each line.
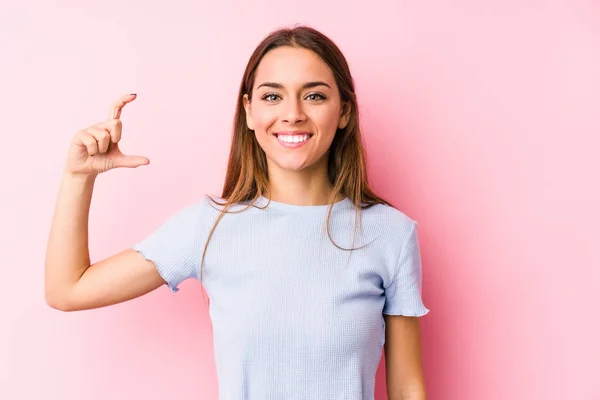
[481, 121]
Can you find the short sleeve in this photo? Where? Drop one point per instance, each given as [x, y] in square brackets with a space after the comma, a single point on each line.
[173, 247]
[403, 294]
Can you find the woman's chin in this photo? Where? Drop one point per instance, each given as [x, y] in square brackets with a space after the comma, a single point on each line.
[297, 163]
[291, 165]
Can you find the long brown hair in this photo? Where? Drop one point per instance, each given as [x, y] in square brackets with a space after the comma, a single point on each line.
[246, 178]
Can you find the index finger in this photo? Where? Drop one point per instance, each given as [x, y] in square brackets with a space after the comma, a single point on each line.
[115, 111]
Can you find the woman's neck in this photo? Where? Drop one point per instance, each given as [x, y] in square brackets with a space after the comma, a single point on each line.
[309, 187]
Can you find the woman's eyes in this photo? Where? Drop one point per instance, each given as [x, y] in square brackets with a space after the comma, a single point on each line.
[271, 97]
[319, 95]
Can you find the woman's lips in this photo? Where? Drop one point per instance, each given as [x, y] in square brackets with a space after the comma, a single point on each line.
[294, 139]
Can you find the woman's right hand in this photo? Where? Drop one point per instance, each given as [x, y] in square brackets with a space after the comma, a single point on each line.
[96, 149]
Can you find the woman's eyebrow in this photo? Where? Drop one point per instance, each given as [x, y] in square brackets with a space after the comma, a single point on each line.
[307, 85]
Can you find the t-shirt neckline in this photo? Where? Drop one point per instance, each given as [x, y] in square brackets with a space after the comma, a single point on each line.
[263, 201]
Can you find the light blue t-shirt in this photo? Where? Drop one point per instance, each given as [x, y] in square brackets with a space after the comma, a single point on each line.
[295, 317]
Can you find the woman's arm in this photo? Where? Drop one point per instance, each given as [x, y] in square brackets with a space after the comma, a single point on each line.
[403, 359]
[71, 282]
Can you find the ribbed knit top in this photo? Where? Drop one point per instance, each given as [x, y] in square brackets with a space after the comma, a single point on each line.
[294, 316]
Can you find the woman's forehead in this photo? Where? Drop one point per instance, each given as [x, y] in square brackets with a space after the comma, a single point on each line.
[291, 66]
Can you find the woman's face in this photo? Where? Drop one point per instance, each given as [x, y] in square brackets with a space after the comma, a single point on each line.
[295, 109]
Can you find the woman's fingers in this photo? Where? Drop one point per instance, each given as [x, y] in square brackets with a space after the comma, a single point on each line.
[102, 136]
[114, 128]
[115, 111]
[89, 141]
[102, 140]
[131, 161]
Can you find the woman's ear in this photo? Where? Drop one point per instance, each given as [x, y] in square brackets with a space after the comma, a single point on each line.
[249, 122]
[345, 115]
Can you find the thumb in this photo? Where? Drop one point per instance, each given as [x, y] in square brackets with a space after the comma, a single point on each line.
[131, 161]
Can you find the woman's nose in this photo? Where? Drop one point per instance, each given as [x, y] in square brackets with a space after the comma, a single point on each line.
[293, 112]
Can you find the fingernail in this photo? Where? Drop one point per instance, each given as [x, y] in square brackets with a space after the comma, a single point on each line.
[133, 94]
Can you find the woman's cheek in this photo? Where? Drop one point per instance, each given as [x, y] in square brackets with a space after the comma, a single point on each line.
[265, 117]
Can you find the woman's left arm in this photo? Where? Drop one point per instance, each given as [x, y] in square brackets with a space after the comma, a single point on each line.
[403, 359]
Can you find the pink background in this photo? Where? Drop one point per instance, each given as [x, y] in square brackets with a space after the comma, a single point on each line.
[481, 122]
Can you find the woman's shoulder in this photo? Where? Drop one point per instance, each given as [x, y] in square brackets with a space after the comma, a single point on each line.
[200, 205]
[388, 216]
[216, 203]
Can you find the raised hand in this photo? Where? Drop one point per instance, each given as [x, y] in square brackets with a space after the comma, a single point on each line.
[96, 149]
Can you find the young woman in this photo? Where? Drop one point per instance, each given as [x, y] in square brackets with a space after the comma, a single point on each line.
[309, 273]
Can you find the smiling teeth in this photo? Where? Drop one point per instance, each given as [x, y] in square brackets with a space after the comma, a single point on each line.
[293, 138]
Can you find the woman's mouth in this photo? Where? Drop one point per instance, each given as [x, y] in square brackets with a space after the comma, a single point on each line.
[293, 140]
